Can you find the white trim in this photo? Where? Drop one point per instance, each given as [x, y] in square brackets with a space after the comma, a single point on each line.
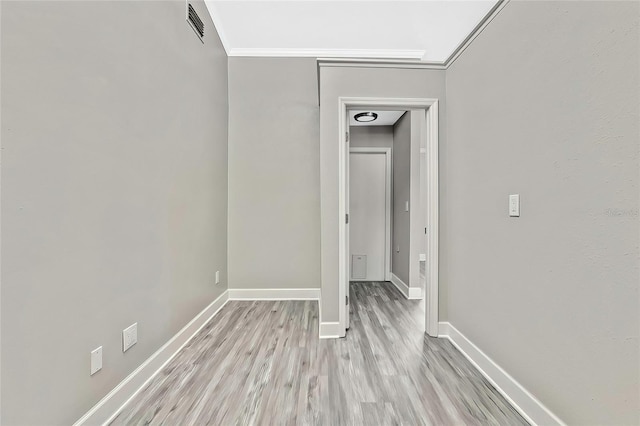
[404, 288]
[413, 293]
[343, 234]
[431, 144]
[112, 404]
[417, 138]
[274, 294]
[347, 229]
[0, 239]
[332, 53]
[495, 10]
[379, 63]
[213, 13]
[328, 61]
[388, 190]
[377, 58]
[432, 220]
[534, 411]
[329, 330]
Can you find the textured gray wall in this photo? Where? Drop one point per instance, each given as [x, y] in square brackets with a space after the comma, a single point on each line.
[274, 188]
[367, 82]
[114, 192]
[544, 103]
[401, 194]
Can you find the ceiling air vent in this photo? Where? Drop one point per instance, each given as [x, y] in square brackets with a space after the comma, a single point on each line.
[195, 21]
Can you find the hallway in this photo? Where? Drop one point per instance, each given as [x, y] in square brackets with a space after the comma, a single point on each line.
[262, 363]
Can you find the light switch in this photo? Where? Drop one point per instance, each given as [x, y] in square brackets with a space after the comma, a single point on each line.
[406, 206]
[514, 205]
[96, 360]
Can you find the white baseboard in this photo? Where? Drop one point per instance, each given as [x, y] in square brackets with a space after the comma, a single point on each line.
[404, 289]
[522, 400]
[329, 330]
[274, 294]
[111, 405]
[415, 293]
[409, 292]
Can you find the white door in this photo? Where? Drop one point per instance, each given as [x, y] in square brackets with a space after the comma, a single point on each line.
[368, 216]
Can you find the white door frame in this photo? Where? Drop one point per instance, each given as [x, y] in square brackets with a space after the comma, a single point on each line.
[387, 201]
[432, 195]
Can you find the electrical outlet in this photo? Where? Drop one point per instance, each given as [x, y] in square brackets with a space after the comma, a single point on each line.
[129, 337]
[217, 277]
[96, 360]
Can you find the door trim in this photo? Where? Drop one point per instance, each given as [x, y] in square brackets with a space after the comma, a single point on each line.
[387, 201]
[432, 194]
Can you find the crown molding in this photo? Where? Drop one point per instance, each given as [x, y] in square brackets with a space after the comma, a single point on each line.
[213, 13]
[390, 63]
[477, 30]
[371, 54]
[379, 63]
[364, 58]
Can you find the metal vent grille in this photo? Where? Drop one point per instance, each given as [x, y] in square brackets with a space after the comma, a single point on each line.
[195, 21]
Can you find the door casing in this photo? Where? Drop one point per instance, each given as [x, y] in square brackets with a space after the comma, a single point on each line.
[430, 185]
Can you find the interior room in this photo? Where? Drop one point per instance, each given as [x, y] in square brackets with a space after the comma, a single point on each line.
[195, 229]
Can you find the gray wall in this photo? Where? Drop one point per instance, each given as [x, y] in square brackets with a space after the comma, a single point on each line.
[371, 136]
[544, 103]
[371, 82]
[114, 189]
[274, 198]
[401, 194]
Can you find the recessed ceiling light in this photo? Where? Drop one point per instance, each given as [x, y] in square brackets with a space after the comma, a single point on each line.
[365, 117]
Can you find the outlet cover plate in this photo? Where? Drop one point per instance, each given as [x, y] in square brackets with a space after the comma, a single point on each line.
[96, 360]
[129, 337]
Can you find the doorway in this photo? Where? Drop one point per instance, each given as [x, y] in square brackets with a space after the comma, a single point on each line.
[370, 213]
[426, 113]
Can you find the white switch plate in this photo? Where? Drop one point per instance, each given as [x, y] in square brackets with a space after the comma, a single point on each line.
[217, 277]
[397, 249]
[129, 337]
[96, 360]
[514, 205]
[406, 206]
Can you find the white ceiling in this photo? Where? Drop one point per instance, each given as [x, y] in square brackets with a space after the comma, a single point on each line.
[385, 118]
[428, 30]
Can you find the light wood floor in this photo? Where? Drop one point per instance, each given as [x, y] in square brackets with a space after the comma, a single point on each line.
[262, 363]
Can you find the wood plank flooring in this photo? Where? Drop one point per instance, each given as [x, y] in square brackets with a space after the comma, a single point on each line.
[262, 363]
